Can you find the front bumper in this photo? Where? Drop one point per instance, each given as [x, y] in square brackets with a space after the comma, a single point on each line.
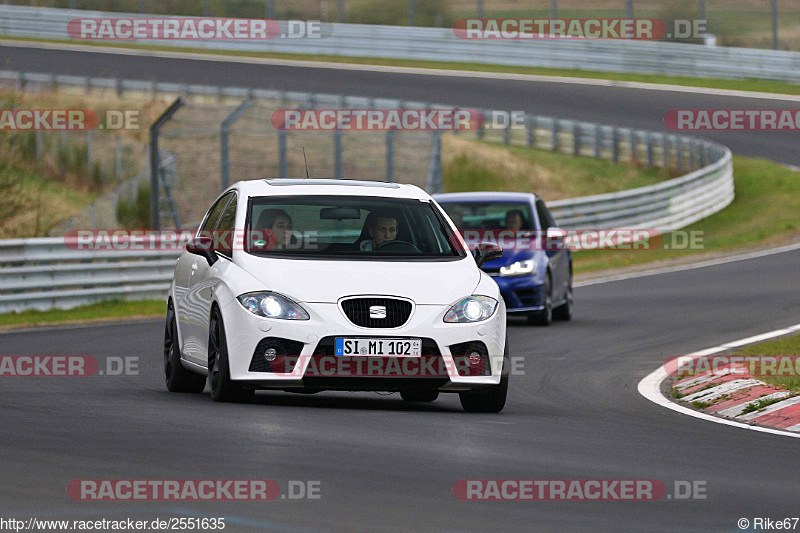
[520, 294]
[244, 331]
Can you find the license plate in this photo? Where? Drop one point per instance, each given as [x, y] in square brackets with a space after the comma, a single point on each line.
[381, 347]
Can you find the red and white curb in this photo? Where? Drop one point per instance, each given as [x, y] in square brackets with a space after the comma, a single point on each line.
[731, 393]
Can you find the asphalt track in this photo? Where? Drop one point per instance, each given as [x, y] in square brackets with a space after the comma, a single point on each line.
[387, 465]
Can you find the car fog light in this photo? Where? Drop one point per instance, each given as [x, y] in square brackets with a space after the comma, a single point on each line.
[270, 354]
[475, 358]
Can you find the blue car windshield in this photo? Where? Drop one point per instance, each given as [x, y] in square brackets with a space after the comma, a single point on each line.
[490, 215]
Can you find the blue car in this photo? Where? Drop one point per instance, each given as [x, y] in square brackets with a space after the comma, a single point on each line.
[534, 279]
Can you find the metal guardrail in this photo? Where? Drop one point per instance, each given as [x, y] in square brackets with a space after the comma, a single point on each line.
[45, 273]
[401, 42]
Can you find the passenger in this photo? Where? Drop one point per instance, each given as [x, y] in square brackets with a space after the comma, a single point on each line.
[278, 222]
[383, 229]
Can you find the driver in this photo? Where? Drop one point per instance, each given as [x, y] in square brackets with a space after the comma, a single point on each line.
[382, 230]
[515, 220]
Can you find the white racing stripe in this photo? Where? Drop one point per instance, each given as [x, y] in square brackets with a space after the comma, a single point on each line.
[402, 70]
[650, 386]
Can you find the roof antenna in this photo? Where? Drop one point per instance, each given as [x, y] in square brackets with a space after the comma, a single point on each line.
[306, 162]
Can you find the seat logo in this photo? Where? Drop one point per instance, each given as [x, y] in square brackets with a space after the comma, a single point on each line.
[377, 311]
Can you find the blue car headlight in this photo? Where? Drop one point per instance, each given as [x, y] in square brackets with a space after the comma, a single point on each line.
[471, 309]
[272, 305]
[520, 268]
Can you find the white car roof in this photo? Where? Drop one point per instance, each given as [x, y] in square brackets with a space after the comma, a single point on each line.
[328, 187]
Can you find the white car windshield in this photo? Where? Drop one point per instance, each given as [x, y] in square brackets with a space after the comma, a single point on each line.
[358, 227]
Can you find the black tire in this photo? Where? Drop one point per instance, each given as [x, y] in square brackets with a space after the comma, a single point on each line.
[222, 388]
[416, 395]
[178, 379]
[564, 311]
[491, 399]
[545, 316]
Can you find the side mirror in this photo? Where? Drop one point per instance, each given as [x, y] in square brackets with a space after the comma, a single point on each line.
[204, 247]
[487, 251]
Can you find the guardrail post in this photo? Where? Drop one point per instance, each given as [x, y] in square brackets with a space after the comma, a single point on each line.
[39, 144]
[679, 153]
[118, 160]
[554, 136]
[576, 139]
[614, 145]
[632, 144]
[665, 149]
[390, 156]
[480, 133]
[284, 165]
[598, 140]
[692, 150]
[224, 141]
[530, 121]
[650, 162]
[19, 82]
[155, 129]
[337, 154]
[435, 170]
[89, 149]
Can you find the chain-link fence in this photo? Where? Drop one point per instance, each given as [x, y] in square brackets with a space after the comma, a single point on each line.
[213, 146]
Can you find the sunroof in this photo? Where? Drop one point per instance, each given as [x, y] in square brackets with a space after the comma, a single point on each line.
[358, 183]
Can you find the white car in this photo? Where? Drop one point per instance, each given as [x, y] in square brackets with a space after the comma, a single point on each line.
[307, 285]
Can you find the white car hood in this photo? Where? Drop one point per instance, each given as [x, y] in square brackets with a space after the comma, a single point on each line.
[434, 282]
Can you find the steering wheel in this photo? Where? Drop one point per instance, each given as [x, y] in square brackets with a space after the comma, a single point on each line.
[397, 247]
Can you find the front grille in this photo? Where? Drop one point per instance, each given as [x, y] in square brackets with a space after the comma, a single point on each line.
[358, 311]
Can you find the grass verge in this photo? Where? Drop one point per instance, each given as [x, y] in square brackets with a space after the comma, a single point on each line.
[473, 165]
[789, 346]
[766, 211]
[88, 313]
[750, 84]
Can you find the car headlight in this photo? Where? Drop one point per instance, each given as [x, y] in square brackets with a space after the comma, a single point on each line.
[519, 268]
[272, 305]
[472, 309]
